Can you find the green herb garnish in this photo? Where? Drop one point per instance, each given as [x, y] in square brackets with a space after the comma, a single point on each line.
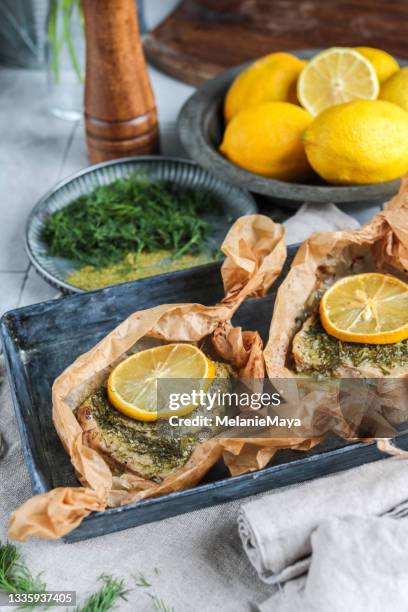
[15, 577]
[329, 353]
[132, 214]
[131, 436]
[159, 605]
[104, 599]
[141, 581]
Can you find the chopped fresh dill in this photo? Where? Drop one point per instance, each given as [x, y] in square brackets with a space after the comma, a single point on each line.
[133, 214]
[104, 599]
[159, 605]
[325, 353]
[141, 581]
[15, 577]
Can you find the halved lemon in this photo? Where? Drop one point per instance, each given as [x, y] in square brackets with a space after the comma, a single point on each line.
[369, 308]
[335, 76]
[133, 385]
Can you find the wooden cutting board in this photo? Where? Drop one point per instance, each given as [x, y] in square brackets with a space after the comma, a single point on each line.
[204, 37]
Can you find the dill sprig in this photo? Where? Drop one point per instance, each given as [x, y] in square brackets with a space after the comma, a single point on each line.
[104, 599]
[15, 577]
[159, 605]
[131, 214]
[141, 581]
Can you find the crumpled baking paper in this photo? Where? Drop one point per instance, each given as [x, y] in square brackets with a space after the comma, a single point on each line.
[380, 245]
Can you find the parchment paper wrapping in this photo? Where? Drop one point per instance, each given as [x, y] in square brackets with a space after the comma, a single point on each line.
[255, 253]
[380, 245]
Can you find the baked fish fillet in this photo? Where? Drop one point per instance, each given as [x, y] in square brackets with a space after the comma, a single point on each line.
[316, 353]
[151, 450]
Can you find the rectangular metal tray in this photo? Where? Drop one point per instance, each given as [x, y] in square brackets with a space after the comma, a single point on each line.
[40, 341]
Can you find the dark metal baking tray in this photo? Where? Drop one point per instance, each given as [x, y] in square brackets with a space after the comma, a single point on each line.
[40, 341]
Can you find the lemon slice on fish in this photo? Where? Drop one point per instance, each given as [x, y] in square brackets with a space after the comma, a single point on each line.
[134, 388]
[369, 308]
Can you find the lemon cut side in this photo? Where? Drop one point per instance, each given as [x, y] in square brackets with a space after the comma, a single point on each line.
[133, 384]
[335, 76]
[368, 308]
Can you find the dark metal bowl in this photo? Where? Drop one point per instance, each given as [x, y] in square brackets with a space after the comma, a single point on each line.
[233, 203]
[201, 126]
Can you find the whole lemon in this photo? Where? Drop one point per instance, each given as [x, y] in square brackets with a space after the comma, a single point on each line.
[384, 64]
[360, 142]
[272, 78]
[266, 140]
[395, 90]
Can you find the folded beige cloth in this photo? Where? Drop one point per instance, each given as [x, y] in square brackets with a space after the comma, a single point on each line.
[276, 529]
[357, 563]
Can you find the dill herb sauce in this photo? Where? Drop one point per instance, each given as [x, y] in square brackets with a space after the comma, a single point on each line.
[327, 353]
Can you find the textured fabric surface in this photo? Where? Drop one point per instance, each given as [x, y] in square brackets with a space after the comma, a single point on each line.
[279, 543]
[357, 563]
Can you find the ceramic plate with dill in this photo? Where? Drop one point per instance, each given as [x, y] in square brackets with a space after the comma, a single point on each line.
[129, 219]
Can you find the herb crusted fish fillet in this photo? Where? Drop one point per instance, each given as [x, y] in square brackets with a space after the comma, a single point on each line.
[316, 353]
[151, 450]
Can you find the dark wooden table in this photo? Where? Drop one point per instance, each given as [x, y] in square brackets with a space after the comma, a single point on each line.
[203, 37]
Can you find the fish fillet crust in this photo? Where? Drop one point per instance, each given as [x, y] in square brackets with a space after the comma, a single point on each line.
[317, 353]
[151, 450]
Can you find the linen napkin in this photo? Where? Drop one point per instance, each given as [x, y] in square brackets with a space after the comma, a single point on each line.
[276, 529]
[357, 563]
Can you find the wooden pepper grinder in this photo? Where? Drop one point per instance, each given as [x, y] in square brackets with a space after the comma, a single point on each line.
[120, 111]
